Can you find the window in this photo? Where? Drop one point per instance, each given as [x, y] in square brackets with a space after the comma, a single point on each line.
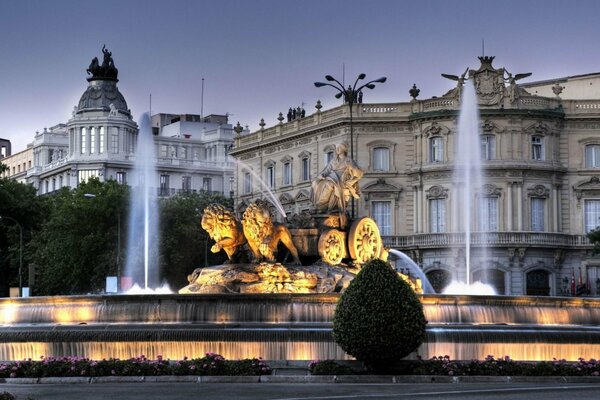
[186, 183]
[537, 214]
[164, 150]
[92, 140]
[381, 159]
[306, 169]
[537, 148]
[329, 156]
[592, 156]
[60, 181]
[437, 215]
[271, 176]
[83, 140]
[122, 177]
[382, 215]
[164, 185]
[247, 183]
[487, 214]
[207, 184]
[85, 175]
[101, 140]
[488, 147]
[114, 143]
[436, 148]
[287, 173]
[592, 215]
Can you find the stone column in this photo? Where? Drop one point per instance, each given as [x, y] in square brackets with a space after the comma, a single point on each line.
[415, 209]
[509, 208]
[520, 206]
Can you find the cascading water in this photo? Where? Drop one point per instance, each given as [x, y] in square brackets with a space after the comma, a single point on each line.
[143, 237]
[414, 270]
[468, 177]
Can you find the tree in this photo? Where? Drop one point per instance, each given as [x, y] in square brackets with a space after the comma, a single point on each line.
[184, 244]
[76, 247]
[379, 318]
[19, 202]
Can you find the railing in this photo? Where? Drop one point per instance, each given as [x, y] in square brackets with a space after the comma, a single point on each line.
[492, 239]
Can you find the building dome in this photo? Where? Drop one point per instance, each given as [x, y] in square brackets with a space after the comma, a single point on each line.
[102, 93]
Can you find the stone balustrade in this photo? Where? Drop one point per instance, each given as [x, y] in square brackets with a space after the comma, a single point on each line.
[492, 239]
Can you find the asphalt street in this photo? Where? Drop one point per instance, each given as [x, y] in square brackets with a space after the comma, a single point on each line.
[312, 391]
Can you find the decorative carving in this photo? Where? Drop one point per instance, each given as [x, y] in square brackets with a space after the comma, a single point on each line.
[557, 89]
[224, 228]
[263, 235]
[437, 192]
[302, 220]
[414, 92]
[538, 191]
[364, 240]
[490, 190]
[539, 129]
[436, 129]
[332, 248]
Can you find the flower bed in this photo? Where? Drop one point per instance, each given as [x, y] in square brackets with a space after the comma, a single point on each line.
[211, 364]
[490, 366]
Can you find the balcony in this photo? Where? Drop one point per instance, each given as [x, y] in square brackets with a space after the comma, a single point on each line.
[487, 239]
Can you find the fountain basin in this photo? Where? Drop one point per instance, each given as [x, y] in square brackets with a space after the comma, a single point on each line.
[286, 326]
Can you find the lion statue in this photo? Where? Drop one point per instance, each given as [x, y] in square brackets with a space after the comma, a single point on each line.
[223, 227]
[263, 235]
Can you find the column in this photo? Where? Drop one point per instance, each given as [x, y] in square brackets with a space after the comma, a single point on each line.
[520, 206]
[415, 208]
[509, 208]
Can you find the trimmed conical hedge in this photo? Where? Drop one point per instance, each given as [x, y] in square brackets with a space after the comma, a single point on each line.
[379, 319]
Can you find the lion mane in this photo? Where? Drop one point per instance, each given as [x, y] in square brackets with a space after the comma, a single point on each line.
[223, 227]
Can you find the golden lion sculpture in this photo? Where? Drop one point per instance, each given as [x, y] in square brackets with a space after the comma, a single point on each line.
[223, 227]
[263, 235]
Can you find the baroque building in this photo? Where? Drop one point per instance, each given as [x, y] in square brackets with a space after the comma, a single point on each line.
[540, 194]
[100, 141]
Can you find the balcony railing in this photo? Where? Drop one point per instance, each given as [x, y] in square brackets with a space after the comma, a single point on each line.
[491, 239]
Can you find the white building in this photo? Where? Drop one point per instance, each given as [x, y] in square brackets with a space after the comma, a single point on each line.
[100, 141]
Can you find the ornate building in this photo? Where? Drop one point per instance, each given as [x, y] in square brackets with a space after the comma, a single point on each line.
[541, 190]
[100, 141]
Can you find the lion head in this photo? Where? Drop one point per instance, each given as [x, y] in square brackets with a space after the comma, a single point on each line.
[257, 224]
[222, 226]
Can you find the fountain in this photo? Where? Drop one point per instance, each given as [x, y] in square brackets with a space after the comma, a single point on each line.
[284, 311]
[468, 178]
[143, 239]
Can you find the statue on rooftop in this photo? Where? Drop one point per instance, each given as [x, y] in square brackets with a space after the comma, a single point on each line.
[106, 70]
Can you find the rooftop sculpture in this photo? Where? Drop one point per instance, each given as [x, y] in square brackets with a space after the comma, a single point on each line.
[105, 71]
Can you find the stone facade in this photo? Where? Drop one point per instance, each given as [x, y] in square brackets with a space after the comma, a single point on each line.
[541, 185]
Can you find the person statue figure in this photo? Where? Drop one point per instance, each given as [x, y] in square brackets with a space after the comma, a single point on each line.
[289, 115]
[294, 113]
[331, 190]
[303, 113]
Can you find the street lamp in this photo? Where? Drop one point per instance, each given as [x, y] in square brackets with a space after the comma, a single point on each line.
[20, 252]
[91, 196]
[350, 97]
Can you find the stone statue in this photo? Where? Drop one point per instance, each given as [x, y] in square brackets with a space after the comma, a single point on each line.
[106, 70]
[224, 228]
[94, 67]
[289, 115]
[332, 189]
[113, 110]
[263, 235]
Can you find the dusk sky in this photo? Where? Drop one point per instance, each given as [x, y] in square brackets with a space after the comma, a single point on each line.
[259, 57]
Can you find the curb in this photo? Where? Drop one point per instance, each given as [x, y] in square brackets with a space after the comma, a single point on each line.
[292, 379]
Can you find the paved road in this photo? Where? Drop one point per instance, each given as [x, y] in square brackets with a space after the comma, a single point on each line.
[208, 391]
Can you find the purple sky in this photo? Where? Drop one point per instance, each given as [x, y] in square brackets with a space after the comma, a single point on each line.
[260, 57]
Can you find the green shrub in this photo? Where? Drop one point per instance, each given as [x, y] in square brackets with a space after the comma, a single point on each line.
[379, 318]
[6, 396]
[329, 367]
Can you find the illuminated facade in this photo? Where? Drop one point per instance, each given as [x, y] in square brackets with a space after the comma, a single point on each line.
[541, 191]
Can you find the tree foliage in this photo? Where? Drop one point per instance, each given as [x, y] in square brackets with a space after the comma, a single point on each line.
[184, 244]
[19, 202]
[379, 318]
[76, 247]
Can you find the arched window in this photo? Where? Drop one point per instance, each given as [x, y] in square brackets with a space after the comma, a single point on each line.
[439, 279]
[538, 283]
[493, 277]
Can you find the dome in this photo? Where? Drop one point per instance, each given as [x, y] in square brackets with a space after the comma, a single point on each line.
[102, 93]
[99, 96]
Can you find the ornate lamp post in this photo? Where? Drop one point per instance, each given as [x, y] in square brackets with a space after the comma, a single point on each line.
[20, 252]
[350, 97]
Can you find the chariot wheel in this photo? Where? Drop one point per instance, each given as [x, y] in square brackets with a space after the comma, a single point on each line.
[332, 246]
[364, 240]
